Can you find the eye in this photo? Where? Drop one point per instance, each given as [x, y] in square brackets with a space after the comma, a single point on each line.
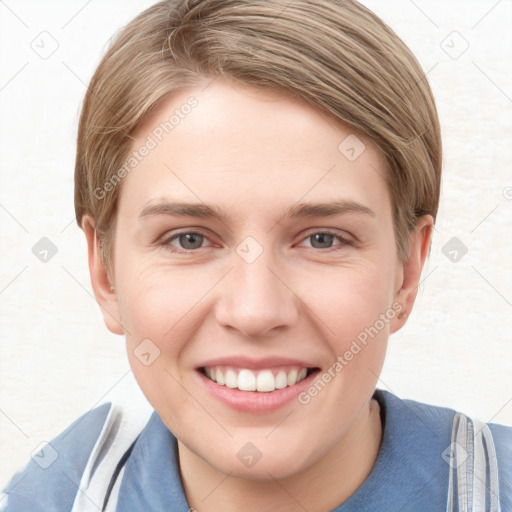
[185, 241]
[190, 241]
[325, 240]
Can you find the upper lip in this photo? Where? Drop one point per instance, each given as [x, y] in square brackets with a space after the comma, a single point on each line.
[255, 363]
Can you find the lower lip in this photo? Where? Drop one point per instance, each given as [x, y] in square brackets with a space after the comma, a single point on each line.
[255, 401]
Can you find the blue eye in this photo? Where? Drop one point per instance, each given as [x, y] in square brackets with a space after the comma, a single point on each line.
[322, 240]
[187, 241]
[325, 240]
[190, 241]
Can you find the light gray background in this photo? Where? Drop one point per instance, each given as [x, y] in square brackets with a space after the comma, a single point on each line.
[57, 360]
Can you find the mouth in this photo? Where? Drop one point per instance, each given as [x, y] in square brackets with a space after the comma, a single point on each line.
[264, 380]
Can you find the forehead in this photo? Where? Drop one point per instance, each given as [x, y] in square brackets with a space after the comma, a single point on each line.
[244, 147]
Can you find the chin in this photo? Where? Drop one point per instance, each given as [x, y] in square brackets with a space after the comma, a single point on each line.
[259, 460]
[268, 468]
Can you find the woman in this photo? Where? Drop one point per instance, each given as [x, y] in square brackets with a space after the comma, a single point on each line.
[258, 182]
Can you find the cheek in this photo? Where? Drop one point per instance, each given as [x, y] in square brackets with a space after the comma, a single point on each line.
[157, 302]
[159, 307]
[348, 300]
[353, 312]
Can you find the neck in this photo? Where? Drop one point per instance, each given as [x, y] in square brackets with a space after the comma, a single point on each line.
[323, 486]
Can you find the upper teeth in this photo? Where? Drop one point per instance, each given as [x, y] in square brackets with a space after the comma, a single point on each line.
[262, 380]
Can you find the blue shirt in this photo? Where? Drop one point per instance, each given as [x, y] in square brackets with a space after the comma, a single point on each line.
[410, 474]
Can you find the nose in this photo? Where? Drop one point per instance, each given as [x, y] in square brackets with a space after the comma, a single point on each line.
[256, 300]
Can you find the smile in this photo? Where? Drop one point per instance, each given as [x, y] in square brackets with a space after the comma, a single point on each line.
[263, 381]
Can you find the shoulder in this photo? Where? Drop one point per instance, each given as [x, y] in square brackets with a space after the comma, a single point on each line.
[428, 428]
[438, 420]
[52, 477]
[414, 419]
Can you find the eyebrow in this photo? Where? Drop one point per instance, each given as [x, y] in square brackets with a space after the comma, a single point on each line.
[328, 209]
[200, 210]
[300, 210]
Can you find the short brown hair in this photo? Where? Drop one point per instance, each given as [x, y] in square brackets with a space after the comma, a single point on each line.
[336, 55]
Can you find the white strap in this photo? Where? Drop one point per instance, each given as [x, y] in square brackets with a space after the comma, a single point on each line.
[480, 467]
[463, 447]
[122, 426]
[473, 467]
[493, 484]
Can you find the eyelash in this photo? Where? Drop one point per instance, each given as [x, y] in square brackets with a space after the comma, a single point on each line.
[166, 242]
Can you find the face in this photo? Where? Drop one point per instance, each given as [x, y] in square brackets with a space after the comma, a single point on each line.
[255, 250]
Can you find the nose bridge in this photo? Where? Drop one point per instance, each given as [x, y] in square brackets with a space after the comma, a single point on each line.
[254, 300]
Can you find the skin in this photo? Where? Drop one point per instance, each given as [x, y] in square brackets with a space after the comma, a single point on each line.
[254, 155]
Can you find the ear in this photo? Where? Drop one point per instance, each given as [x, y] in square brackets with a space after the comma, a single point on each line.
[100, 280]
[410, 272]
